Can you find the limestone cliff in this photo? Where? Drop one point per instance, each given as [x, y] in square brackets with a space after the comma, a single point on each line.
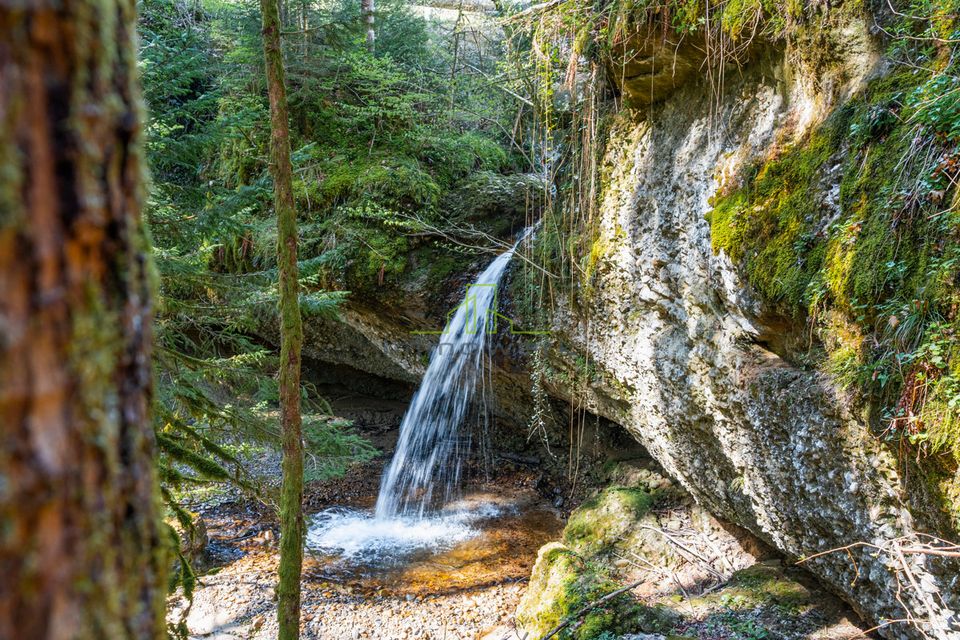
[688, 355]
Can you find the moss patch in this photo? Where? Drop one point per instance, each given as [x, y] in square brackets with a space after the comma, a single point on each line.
[563, 583]
[766, 583]
[874, 263]
[571, 574]
[766, 226]
[602, 519]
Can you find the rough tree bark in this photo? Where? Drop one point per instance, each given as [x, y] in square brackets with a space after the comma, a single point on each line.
[80, 552]
[291, 333]
[368, 10]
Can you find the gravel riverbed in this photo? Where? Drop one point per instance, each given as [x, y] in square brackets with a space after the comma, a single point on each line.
[468, 591]
[237, 604]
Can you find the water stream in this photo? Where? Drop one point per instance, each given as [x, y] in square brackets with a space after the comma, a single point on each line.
[418, 505]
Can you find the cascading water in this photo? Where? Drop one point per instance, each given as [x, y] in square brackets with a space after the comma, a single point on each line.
[430, 453]
[424, 474]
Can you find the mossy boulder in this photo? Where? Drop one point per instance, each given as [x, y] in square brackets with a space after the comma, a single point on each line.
[563, 583]
[602, 520]
[494, 201]
[766, 583]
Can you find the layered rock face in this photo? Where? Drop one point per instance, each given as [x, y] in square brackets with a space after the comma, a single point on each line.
[688, 356]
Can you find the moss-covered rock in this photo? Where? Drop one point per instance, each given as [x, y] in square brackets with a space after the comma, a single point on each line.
[796, 193]
[844, 227]
[605, 518]
[494, 199]
[769, 225]
[767, 582]
[563, 583]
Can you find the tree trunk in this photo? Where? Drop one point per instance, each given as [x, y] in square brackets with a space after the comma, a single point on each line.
[291, 333]
[367, 9]
[80, 542]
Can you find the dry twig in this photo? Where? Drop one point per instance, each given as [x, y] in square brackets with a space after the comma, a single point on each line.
[897, 550]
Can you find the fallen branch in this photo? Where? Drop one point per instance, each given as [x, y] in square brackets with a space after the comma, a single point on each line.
[698, 559]
[495, 245]
[537, 8]
[946, 549]
[656, 570]
[897, 550]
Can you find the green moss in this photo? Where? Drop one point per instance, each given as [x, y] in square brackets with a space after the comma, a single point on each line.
[767, 225]
[759, 586]
[598, 521]
[498, 200]
[94, 353]
[393, 181]
[878, 276]
[764, 583]
[563, 583]
[440, 267]
[949, 488]
[774, 225]
[455, 156]
[735, 19]
[844, 348]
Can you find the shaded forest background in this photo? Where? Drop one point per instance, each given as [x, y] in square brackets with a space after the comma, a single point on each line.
[384, 146]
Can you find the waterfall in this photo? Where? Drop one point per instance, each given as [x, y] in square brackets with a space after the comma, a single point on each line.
[425, 470]
[424, 473]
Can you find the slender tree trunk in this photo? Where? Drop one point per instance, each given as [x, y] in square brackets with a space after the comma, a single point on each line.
[368, 9]
[291, 333]
[80, 542]
[305, 28]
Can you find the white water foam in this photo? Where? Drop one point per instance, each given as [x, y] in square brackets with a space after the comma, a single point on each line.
[360, 535]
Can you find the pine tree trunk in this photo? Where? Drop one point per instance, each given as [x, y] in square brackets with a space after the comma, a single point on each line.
[367, 9]
[291, 333]
[80, 542]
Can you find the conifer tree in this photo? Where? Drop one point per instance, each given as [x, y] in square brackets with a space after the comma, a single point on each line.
[367, 9]
[291, 333]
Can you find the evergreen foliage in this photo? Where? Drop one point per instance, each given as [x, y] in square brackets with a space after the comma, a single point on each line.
[382, 144]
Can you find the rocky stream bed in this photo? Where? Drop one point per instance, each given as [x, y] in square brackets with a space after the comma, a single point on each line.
[694, 577]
